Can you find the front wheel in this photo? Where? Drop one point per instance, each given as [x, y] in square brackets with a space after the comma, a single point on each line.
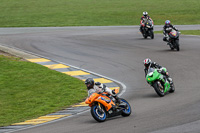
[171, 45]
[127, 109]
[98, 112]
[177, 45]
[151, 34]
[159, 88]
[144, 35]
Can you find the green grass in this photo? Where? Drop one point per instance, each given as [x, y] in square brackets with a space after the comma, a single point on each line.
[36, 13]
[185, 32]
[29, 90]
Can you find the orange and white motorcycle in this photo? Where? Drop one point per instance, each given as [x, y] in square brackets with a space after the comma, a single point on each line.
[103, 106]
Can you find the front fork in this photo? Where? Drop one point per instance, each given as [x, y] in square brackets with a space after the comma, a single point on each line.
[100, 108]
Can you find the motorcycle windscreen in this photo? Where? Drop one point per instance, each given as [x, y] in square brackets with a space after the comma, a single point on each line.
[92, 97]
[173, 34]
[152, 75]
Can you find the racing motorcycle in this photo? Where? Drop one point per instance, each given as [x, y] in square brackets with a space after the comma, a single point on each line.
[173, 38]
[147, 30]
[104, 106]
[159, 81]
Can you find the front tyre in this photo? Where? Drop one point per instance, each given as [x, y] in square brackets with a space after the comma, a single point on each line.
[127, 110]
[159, 88]
[151, 34]
[99, 114]
[177, 45]
[144, 35]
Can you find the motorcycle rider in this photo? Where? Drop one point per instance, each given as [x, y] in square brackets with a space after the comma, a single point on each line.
[143, 20]
[99, 88]
[149, 64]
[167, 25]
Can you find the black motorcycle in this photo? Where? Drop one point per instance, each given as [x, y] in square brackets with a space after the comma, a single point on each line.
[173, 39]
[147, 30]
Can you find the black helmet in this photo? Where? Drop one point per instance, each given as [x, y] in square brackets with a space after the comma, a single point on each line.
[89, 83]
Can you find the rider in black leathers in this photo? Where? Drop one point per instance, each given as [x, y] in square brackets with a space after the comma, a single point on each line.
[167, 25]
[143, 20]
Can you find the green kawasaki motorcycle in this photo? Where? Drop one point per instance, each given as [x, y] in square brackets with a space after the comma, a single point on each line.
[159, 81]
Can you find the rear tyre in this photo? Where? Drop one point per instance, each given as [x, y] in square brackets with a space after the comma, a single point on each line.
[98, 114]
[159, 88]
[127, 111]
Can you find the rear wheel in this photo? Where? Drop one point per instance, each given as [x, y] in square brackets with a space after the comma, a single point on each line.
[98, 112]
[159, 88]
[127, 110]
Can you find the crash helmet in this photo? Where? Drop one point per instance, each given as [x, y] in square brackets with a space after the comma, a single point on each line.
[167, 23]
[89, 82]
[145, 14]
[147, 62]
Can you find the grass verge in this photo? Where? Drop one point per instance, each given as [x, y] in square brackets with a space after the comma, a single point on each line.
[29, 90]
[45, 13]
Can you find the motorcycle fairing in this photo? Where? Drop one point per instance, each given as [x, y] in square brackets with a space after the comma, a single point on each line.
[106, 99]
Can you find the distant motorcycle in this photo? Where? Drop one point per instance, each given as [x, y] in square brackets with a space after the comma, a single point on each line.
[147, 30]
[159, 82]
[173, 39]
[104, 106]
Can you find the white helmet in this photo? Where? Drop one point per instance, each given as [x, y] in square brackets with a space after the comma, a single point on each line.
[145, 14]
[147, 62]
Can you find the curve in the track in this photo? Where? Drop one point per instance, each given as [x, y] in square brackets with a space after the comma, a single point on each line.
[118, 52]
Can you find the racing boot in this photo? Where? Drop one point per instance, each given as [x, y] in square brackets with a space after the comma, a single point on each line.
[115, 96]
[169, 80]
[167, 76]
[117, 99]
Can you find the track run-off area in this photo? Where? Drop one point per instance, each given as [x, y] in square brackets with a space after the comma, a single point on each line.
[118, 52]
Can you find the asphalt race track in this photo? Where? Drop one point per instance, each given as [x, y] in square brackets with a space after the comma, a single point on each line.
[118, 53]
